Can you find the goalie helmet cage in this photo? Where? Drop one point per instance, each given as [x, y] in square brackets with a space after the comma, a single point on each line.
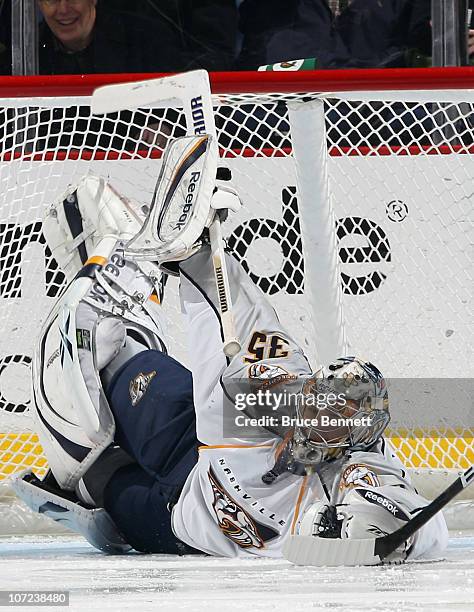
[357, 189]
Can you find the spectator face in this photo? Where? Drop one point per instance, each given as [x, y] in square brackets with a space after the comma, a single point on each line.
[71, 21]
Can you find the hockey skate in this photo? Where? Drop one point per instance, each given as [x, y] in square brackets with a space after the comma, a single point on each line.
[94, 524]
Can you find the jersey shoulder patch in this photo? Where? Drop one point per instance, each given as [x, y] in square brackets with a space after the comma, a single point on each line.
[358, 474]
[269, 375]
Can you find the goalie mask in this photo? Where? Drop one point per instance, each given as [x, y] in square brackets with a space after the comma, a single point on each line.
[343, 406]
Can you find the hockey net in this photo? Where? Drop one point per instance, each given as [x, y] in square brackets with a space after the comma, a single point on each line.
[390, 154]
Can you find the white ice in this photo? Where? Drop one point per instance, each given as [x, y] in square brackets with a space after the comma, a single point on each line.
[158, 582]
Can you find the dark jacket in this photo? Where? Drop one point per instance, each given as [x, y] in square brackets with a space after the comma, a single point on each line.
[368, 33]
[377, 32]
[206, 29]
[121, 43]
[277, 30]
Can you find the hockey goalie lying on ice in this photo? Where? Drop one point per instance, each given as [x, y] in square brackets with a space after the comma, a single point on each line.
[138, 454]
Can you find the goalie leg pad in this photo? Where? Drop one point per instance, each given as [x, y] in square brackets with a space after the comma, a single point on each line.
[71, 412]
[109, 300]
[84, 333]
[94, 524]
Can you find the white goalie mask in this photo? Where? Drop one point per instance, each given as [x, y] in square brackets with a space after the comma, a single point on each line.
[343, 406]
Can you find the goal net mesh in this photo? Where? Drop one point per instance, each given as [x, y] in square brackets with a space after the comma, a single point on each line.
[400, 181]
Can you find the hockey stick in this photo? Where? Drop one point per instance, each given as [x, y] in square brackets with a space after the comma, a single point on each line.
[311, 550]
[192, 91]
[189, 90]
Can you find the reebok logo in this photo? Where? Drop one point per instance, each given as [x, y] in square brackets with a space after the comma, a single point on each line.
[188, 201]
[383, 502]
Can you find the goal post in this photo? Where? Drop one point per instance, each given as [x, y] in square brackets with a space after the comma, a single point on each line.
[318, 228]
[357, 223]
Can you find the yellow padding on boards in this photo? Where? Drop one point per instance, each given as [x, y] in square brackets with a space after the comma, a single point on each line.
[452, 449]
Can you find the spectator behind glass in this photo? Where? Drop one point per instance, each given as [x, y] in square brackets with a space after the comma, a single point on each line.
[84, 37]
[392, 33]
[78, 37]
[361, 34]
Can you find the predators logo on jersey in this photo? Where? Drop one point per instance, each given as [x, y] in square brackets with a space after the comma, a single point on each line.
[234, 522]
[139, 385]
[269, 375]
[357, 475]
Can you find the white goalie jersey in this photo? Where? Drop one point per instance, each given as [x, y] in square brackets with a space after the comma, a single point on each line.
[225, 507]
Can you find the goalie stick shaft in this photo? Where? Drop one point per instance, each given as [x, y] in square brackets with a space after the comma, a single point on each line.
[231, 343]
[387, 544]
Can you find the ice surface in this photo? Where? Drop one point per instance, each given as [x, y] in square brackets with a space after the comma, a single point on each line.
[165, 583]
